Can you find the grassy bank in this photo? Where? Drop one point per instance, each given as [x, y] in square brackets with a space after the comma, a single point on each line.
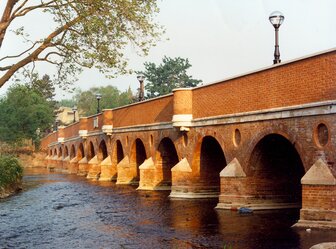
[10, 175]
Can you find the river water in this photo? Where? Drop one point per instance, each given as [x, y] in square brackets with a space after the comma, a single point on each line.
[67, 211]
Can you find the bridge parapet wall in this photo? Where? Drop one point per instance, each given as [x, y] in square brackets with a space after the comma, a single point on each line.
[71, 130]
[151, 111]
[287, 84]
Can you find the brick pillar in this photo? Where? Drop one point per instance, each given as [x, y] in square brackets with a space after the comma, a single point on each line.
[182, 108]
[147, 175]
[107, 171]
[95, 169]
[232, 186]
[318, 197]
[73, 166]
[126, 173]
[66, 162]
[83, 167]
[181, 173]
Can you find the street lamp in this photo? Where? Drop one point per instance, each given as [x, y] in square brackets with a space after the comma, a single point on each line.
[74, 109]
[56, 124]
[98, 97]
[141, 79]
[276, 18]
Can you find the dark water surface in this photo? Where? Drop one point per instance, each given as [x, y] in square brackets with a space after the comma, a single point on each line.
[66, 211]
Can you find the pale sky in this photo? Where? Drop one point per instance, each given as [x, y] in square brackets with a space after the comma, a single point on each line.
[224, 38]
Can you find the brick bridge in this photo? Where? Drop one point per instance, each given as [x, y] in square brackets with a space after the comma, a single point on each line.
[264, 140]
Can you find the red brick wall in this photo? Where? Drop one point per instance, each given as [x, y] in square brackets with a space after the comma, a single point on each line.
[71, 130]
[148, 112]
[309, 80]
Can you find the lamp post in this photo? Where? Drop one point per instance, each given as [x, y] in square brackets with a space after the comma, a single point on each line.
[276, 18]
[141, 79]
[74, 109]
[56, 124]
[98, 97]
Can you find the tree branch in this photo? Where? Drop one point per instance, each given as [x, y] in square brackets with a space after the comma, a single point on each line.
[16, 56]
[34, 55]
[6, 19]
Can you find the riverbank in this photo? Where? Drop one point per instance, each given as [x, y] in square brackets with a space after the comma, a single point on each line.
[11, 173]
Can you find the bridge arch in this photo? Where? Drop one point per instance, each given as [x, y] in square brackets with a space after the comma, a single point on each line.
[137, 156]
[90, 151]
[276, 169]
[117, 153]
[166, 157]
[102, 151]
[80, 151]
[72, 151]
[66, 151]
[208, 162]
[60, 152]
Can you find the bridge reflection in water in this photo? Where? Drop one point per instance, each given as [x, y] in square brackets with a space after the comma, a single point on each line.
[67, 211]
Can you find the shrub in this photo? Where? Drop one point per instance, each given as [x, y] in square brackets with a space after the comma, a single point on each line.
[10, 170]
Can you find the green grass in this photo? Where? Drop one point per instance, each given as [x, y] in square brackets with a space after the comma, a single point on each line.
[10, 170]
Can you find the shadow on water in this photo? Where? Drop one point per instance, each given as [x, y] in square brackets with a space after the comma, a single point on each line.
[55, 211]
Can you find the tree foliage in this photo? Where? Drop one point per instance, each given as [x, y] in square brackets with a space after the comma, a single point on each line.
[87, 33]
[170, 74]
[10, 171]
[23, 111]
[45, 87]
[111, 98]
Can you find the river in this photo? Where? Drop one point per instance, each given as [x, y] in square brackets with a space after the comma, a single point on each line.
[67, 211]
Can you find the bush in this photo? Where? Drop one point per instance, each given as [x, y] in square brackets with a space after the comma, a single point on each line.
[10, 170]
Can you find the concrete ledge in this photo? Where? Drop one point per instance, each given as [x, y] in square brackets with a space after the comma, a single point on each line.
[261, 206]
[192, 195]
[316, 224]
[325, 245]
[155, 188]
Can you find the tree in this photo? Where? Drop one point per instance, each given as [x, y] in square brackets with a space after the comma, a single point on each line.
[23, 112]
[87, 33]
[44, 87]
[111, 98]
[170, 74]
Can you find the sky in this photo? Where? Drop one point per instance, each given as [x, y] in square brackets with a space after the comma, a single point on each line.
[221, 38]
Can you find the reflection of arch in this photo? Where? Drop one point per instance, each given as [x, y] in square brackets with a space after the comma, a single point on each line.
[210, 160]
[60, 154]
[138, 156]
[102, 151]
[50, 152]
[80, 151]
[166, 158]
[55, 152]
[91, 151]
[276, 169]
[118, 153]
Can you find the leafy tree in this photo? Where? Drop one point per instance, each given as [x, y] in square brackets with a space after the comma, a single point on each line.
[111, 98]
[45, 87]
[67, 103]
[23, 112]
[87, 33]
[170, 74]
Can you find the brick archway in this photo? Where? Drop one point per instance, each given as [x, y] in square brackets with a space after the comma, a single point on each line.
[72, 151]
[117, 153]
[137, 157]
[275, 169]
[90, 151]
[102, 151]
[60, 152]
[80, 151]
[166, 157]
[208, 162]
